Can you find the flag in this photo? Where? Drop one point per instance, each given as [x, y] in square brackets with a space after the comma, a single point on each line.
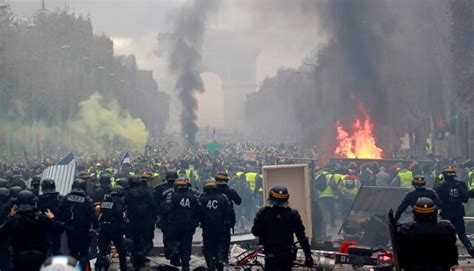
[125, 158]
[213, 147]
[62, 173]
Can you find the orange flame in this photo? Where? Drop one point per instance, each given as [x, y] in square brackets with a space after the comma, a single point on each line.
[361, 144]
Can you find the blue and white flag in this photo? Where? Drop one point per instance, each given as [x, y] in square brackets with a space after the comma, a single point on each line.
[68, 159]
[62, 173]
[125, 158]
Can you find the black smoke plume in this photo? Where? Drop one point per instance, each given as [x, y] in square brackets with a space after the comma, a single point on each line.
[185, 59]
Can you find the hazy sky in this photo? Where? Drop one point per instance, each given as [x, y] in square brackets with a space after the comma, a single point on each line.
[283, 31]
[134, 25]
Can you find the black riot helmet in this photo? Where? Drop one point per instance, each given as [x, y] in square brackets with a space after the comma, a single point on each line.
[278, 195]
[118, 191]
[171, 176]
[18, 181]
[419, 182]
[84, 175]
[4, 193]
[425, 209]
[3, 183]
[25, 201]
[449, 173]
[123, 182]
[79, 185]
[14, 191]
[134, 181]
[181, 183]
[210, 186]
[222, 178]
[48, 186]
[105, 180]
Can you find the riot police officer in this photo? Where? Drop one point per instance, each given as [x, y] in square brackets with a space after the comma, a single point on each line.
[411, 197]
[35, 185]
[141, 211]
[275, 225]
[182, 214]
[77, 212]
[427, 244]
[112, 220]
[50, 199]
[5, 207]
[222, 180]
[216, 215]
[161, 191]
[104, 188]
[27, 230]
[452, 194]
[123, 182]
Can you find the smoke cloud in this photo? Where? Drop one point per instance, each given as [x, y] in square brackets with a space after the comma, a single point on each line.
[108, 126]
[185, 60]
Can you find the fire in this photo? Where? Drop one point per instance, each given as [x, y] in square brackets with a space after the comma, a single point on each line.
[361, 143]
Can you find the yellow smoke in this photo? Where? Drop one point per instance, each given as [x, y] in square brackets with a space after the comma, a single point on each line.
[104, 124]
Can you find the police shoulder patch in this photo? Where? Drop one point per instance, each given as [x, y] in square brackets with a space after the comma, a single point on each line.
[76, 198]
[106, 205]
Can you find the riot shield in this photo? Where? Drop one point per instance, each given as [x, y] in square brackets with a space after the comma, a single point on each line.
[393, 237]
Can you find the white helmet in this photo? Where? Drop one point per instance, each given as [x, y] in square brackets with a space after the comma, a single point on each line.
[60, 263]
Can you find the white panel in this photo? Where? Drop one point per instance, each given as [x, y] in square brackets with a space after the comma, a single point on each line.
[296, 179]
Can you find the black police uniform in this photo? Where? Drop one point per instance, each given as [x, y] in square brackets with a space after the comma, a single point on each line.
[182, 214]
[234, 198]
[111, 221]
[452, 195]
[141, 211]
[27, 231]
[161, 192]
[427, 246]
[77, 211]
[274, 226]
[411, 198]
[216, 216]
[5, 205]
[51, 200]
[104, 188]
[151, 218]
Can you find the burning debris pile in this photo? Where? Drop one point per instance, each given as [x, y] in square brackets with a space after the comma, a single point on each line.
[361, 142]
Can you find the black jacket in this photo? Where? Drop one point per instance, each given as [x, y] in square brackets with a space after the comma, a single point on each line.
[427, 244]
[231, 194]
[112, 211]
[140, 204]
[275, 226]
[452, 195]
[183, 210]
[411, 198]
[77, 211]
[216, 210]
[28, 231]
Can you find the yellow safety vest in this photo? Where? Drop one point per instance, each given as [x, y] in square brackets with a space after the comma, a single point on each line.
[328, 192]
[405, 177]
[428, 150]
[250, 178]
[338, 177]
[470, 179]
[350, 192]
